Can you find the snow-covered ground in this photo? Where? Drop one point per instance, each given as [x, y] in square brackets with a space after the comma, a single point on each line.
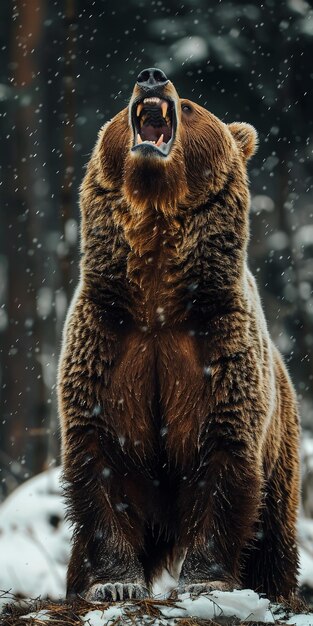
[34, 549]
[245, 605]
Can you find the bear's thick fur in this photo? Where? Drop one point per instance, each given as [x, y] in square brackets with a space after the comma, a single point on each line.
[179, 422]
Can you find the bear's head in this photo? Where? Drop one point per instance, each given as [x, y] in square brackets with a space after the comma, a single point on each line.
[169, 152]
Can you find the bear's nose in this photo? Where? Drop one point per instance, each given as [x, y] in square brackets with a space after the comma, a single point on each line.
[152, 77]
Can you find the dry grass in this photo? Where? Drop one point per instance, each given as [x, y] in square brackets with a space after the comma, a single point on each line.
[295, 604]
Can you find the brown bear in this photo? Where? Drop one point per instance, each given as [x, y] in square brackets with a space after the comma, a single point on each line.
[179, 422]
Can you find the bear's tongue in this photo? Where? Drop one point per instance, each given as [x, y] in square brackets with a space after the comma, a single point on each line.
[150, 133]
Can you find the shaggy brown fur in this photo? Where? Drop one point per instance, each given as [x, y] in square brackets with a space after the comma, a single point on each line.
[179, 422]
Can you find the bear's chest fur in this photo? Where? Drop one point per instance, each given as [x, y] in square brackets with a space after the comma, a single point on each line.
[165, 392]
[160, 386]
[155, 269]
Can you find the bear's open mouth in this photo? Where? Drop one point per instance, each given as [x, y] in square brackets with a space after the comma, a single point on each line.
[154, 125]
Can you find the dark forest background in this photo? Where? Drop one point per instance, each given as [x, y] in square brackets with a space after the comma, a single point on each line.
[68, 66]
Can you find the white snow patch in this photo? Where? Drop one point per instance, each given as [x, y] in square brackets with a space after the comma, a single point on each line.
[34, 539]
[99, 618]
[300, 620]
[43, 615]
[305, 537]
[306, 568]
[307, 451]
[244, 604]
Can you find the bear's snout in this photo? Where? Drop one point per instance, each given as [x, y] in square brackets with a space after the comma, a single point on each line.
[153, 114]
[151, 78]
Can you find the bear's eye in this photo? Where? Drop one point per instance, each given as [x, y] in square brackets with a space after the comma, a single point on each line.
[186, 108]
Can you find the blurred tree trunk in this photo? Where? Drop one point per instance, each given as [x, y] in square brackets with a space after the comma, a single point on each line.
[67, 273]
[67, 192]
[26, 410]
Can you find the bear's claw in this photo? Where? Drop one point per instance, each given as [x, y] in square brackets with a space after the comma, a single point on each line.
[115, 592]
[195, 589]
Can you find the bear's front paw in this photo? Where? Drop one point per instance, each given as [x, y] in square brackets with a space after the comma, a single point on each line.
[197, 588]
[115, 592]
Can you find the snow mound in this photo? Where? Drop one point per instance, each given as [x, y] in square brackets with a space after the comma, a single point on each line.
[305, 539]
[34, 539]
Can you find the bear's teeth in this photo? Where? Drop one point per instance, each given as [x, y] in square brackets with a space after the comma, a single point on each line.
[160, 140]
[162, 103]
[155, 143]
[151, 100]
[164, 107]
[139, 108]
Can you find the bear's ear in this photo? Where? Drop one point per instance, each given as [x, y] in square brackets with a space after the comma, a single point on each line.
[245, 136]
